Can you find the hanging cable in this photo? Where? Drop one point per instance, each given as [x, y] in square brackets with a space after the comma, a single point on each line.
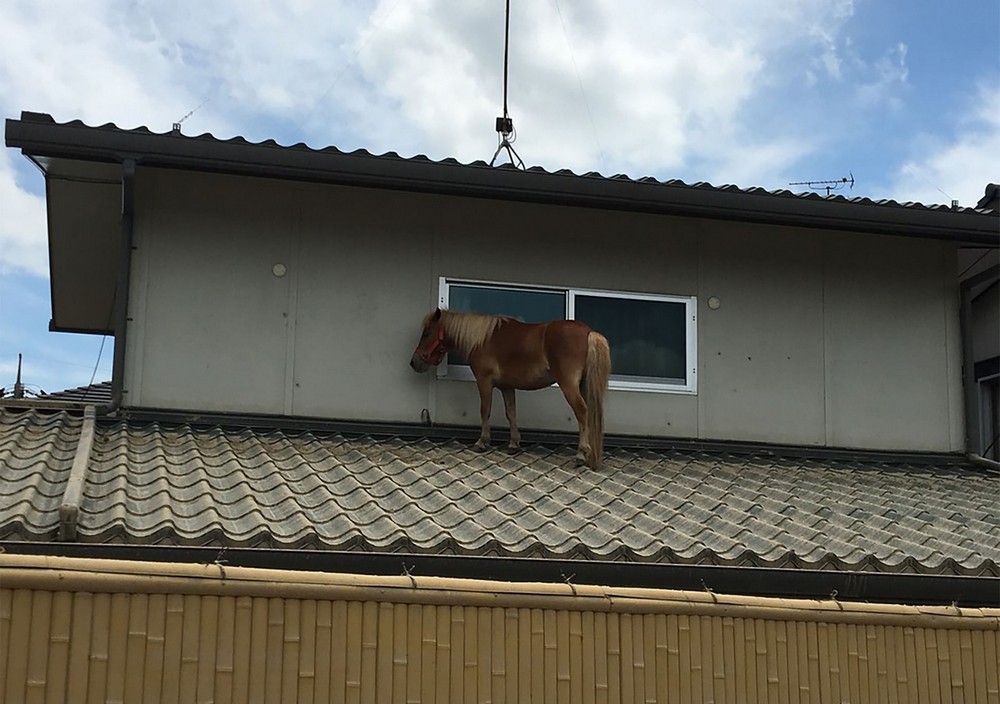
[506, 50]
[504, 125]
[583, 92]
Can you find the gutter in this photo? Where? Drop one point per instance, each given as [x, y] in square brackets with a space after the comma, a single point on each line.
[131, 577]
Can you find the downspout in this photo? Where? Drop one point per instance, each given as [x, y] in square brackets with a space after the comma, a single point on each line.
[972, 419]
[69, 509]
[122, 288]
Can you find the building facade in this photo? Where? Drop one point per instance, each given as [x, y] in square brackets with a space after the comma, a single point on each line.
[794, 505]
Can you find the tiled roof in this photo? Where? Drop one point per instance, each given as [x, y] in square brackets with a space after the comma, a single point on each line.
[592, 175]
[99, 393]
[183, 485]
[39, 133]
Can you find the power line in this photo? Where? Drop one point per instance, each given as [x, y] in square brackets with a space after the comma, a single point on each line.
[349, 64]
[583, 92]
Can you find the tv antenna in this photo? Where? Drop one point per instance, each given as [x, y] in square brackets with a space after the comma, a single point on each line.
[176, 129]
[830, 185]
[21, 390]
[505, 126]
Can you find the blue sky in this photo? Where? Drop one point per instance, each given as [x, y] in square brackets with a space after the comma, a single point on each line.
[904, 95]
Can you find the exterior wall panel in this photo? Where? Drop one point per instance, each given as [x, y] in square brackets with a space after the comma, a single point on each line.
[362, 277]
[209, 318]
[761, 351]
[236, 639]
[821, 338]
[885, 329]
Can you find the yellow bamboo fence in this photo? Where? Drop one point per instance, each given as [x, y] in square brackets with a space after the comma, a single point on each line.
[79, 630]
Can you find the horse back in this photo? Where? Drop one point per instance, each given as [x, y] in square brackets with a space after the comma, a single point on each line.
[566, 342]
[555, 337]
[532, 355]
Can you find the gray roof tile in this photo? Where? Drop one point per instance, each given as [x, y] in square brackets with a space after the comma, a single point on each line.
[181, 485]
[99, 393]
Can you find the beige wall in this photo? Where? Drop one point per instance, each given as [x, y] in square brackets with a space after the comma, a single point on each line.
[822, 338]
[95, 631]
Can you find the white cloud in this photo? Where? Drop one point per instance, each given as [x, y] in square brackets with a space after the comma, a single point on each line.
[888, 75]
[23, 243]
[663, 84]
[94, 66]
[637, 87]
[960, 168]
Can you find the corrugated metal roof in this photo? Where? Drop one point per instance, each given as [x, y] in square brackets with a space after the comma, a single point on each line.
[184, 485]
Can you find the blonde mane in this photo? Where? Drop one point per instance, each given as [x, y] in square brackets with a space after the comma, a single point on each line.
[467, 331]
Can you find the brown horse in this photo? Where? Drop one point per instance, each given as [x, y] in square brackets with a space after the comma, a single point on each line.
[507, 354]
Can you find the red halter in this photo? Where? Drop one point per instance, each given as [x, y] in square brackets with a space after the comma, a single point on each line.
[436, 352]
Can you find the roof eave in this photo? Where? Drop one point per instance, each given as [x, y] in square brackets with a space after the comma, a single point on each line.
[40, 137]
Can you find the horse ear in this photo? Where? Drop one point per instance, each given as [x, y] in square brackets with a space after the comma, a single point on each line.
[437, 315]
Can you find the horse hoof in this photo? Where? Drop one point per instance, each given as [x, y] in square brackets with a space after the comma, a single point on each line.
[513, 449]
[480, 446]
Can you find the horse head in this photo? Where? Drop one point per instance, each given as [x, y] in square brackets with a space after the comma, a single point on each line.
[431, 347]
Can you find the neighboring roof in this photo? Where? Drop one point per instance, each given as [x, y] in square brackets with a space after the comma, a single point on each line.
[991, 198]
[99, 394]
[157, 484]
[48, 142]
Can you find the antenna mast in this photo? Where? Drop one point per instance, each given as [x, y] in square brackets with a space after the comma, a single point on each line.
[504, 125]
[18, 386]
[830, 185]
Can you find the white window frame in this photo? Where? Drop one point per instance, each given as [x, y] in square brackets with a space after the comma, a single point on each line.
[690, 385]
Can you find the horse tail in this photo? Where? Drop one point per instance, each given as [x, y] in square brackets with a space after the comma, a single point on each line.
[595, 386]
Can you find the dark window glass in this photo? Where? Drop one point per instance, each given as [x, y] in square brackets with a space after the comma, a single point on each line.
[647, 338]
[527, 306]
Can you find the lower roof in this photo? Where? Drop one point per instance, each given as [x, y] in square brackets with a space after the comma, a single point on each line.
[149, 484]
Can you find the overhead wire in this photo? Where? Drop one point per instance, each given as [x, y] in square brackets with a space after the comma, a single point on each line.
[350, 62]
[583, 92]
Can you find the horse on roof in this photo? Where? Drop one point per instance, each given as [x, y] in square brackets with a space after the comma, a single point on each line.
[506, 354]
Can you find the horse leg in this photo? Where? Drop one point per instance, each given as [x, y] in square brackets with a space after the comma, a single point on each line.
[510, 407]
[485, 404]
[571, 390]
